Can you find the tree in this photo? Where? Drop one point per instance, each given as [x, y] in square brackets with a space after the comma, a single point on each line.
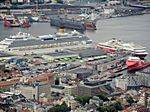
[117, 105]
[60, 108]
[83, 99]
[106, 109]
[113, 109]
[2, 1]
[130, 100]
[59, 1]
[103, 97]
[113, 98]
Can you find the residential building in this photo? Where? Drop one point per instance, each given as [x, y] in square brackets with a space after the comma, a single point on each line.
[121, 83]
[70, 90]
[7, 85]
[95, 100]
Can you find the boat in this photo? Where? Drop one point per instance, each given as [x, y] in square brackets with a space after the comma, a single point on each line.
[34, 18]
[135, 63]
[24, 21]
[24, 43]
[10, 21]
[114, 45]
[2, 16]
[73, 24]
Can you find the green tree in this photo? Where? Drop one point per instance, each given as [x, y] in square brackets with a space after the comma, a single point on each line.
[100, 109]
[2, 1]
[83, 99]
[130, 100]
[113, 98]
[103, 97]
[59, 1]
[113, 109]
[60, 108]
[117, 105]
[106, 109]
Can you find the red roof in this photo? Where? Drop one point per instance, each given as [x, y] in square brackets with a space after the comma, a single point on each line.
[146, 89]
[26, 110]
[7, 83]
[42, 77]
[124, 111]
[19, 75]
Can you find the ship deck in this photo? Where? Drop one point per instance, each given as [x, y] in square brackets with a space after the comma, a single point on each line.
[32, 42]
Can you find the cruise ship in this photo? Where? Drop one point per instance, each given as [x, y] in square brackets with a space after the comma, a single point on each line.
[24, 43]
[115, 45]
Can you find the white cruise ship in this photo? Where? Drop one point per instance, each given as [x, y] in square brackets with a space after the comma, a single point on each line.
[114, 45]
[24, 43]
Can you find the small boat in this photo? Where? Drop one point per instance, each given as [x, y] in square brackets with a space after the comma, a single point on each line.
[10, 21]
[34, 18]
[135, 63]
[24, 21]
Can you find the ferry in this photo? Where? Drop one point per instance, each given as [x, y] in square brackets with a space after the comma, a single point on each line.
[115, 45]
[73, 24]
[24, 43]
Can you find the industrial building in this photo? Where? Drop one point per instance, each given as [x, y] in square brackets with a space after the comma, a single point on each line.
[94, 88]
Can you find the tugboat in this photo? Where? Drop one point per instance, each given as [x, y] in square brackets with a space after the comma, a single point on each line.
[10, 21]
[135, 63]
[24, 21]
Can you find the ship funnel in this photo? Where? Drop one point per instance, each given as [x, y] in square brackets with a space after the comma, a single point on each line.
[61, 31]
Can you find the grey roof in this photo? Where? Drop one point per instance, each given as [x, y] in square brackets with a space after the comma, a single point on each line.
[82, 70]
[57, 86]
[31, 42]
[95, 83]
[60, 53]
[104, 88]
[90, 106]
[91, 53]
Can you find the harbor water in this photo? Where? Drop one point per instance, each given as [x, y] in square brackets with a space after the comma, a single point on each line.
[130, 29]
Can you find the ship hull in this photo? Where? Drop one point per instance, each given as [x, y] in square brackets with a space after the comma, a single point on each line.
[136, 64]
[91, 28]
[107, 49]
[8, 24]
[26, 24]
[66, 23]
[138, 67]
